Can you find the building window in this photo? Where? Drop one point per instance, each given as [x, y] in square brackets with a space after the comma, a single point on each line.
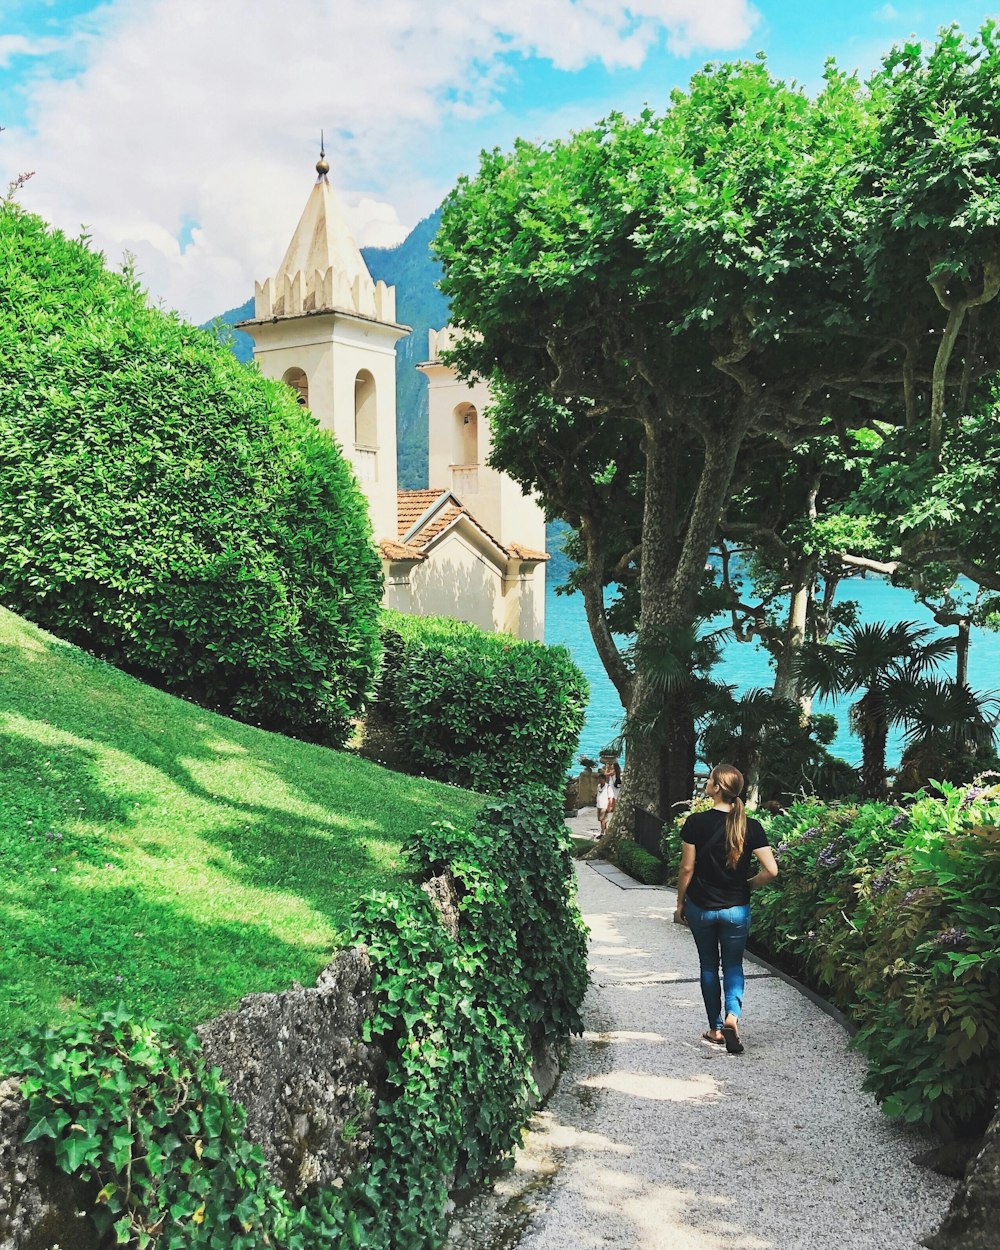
[365, 428]
[299, 383]
[466, 435]
[365, 423]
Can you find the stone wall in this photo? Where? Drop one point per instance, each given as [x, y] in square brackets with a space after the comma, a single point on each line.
[973, 1219]
[40, 1207]
[295, 1062]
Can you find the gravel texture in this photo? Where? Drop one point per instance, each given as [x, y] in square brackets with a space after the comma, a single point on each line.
[656, 1140]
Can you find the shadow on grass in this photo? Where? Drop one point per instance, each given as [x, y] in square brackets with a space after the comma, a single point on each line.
[350, 797]
[86, 950]
[88, 758]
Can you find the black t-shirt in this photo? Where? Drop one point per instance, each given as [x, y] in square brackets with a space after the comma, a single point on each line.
[714, 883]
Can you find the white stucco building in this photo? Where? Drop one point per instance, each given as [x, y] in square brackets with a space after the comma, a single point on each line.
[473, 545]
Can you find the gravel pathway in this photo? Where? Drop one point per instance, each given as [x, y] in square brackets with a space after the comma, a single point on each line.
[655, 1140]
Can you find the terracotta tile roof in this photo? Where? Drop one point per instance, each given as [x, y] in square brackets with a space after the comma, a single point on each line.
[526, 553]
[413, 504]
[440, 521]
[392, 550]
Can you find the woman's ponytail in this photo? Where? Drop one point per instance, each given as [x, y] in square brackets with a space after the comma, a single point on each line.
[730, 783]
[736, 831]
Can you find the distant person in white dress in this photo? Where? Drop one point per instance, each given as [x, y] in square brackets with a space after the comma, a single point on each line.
[607, 793]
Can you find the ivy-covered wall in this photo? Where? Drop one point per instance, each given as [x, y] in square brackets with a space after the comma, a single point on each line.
[339, 1116]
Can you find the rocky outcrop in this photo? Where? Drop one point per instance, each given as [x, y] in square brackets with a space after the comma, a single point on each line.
[294, 1060]
[972, 1219]
[296, 1063]
[40, 1207]
[442, 893]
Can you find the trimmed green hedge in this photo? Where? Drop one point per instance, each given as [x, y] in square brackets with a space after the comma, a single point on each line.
[167, 508]
[894, 913]
[486, 711]
[131, 1107]
[639, 863]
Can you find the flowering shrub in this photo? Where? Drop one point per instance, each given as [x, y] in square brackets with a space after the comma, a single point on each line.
[895, 915]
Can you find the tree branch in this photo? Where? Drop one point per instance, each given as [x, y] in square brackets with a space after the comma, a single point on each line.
[887, 568]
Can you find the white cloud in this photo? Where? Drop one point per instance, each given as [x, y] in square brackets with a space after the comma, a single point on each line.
[20, 45]
[887, 13]
[205, 117]
[375, 224]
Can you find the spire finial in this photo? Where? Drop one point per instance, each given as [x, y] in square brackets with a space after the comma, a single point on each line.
[322, 165]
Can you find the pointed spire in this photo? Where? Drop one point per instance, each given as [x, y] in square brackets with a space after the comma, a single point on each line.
[322, 165]
[323, 266]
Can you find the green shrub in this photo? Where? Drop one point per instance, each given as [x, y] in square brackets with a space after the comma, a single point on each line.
[169, 509]
[639, 863]
[895, 914]
[533, 854]
[486, 711]
[456, 1015]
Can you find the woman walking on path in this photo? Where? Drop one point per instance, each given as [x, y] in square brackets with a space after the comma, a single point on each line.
[713, 897]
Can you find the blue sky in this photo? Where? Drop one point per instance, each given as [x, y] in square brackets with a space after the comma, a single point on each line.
[184, 131]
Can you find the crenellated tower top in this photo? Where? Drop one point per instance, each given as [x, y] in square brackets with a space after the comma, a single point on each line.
[322, 269]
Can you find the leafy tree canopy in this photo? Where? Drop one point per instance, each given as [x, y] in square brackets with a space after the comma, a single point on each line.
[752, 263]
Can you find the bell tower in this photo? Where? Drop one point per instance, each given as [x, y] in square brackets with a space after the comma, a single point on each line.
[322, 325]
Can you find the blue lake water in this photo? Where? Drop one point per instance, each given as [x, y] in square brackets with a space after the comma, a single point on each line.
[745, 665]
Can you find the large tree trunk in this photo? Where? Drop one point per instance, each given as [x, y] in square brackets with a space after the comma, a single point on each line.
[597, 617]
[678, 780]
[874, 735]
[962, 652]
[669, 584]
[786, 683]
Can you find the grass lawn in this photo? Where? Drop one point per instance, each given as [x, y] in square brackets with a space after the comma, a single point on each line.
[160, 855]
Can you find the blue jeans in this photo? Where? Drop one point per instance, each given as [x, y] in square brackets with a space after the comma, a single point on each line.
[720, 934]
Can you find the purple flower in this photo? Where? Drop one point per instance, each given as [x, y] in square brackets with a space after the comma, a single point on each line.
[882, 881]
[911, 896]
[973, 793]
[810, 833]
[898, 820]
[955, 939]
[828, 857]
